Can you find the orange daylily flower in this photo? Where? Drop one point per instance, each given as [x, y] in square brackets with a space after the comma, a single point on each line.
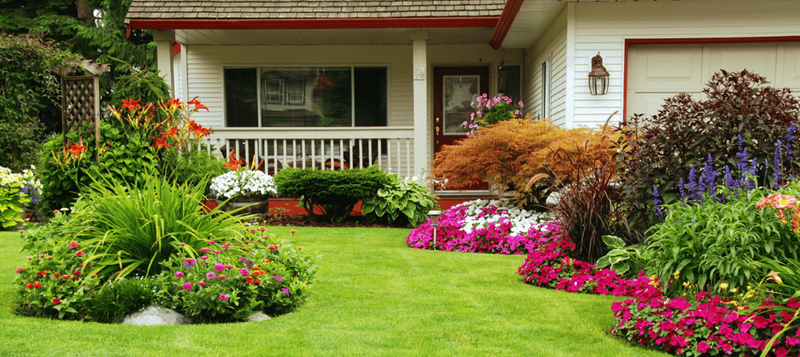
[174, 102]
[198, 130]
[233, 163]
[77, 149]
[131, 104]
[160, 142]
[796, 219]
[197, 104]
[172, 133]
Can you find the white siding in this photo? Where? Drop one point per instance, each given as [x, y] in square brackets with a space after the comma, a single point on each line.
[552, 46]
[604, 27]
[205, 64]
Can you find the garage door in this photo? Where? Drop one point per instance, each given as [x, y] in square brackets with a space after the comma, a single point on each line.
[656, 72]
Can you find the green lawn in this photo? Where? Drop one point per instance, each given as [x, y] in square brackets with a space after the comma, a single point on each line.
[373, 296]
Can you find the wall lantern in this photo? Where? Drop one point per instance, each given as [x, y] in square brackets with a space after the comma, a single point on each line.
[598, 77]
[434, 217]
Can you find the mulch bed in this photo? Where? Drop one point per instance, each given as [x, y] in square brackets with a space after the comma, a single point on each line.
[302, 220]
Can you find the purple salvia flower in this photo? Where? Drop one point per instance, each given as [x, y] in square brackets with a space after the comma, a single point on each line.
[657, 202]
[708, 178]
[729, 182]
[682, 189]
[691, 185]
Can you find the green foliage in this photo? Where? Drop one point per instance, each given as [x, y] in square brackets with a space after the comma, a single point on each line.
[11, 203]
[400, 202]
[55, 281]
[710, 243]
[122, 297]
[335, 193]
[658, 150]
[144, 84]
[192, 166]
[97, 29]
[29, 96]
[134, 229]
[224, 285]
[626, 260]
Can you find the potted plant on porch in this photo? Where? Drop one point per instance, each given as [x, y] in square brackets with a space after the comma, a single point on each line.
[243, 190]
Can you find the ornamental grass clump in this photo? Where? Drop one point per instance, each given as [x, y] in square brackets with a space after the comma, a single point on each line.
[133, 229]
[121, 297]
[498, 227]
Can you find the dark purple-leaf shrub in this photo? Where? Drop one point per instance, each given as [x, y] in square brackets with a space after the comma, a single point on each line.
[659, 150]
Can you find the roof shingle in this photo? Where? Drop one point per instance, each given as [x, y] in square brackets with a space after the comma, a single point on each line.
[310, 9]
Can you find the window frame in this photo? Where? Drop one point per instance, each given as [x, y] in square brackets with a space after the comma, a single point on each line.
[259, 94]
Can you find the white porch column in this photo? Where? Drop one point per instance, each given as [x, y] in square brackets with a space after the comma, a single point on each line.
[420, 62]
[164, 40]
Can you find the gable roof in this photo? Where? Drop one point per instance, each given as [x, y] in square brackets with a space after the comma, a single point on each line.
[313, 9]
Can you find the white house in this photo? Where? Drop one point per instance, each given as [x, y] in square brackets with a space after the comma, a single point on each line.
[304, 81]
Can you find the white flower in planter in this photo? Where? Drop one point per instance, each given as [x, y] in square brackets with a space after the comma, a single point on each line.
[243, 183]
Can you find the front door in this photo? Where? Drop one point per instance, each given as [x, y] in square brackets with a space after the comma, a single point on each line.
[455, 89]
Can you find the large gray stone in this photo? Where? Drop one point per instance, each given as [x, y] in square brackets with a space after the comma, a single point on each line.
[258, 316]
[156, 315]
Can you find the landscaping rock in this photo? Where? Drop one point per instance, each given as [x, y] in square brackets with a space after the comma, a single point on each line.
[258, 316]
[156, 315]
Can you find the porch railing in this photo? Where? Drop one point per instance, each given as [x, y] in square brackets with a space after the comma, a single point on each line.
[323, 148]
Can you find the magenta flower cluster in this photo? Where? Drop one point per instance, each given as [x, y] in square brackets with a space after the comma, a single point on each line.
[549, 265]
[494, 237]
[708, 326]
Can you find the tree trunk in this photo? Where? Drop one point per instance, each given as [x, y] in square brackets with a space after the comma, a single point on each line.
[85, 13]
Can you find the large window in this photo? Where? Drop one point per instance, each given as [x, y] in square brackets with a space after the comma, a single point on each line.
[306, 96]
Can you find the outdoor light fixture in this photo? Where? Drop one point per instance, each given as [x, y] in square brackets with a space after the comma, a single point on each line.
[598, 77]
[434, 215]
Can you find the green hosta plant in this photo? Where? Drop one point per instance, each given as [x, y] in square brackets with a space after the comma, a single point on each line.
[626, 260]
[400, 202]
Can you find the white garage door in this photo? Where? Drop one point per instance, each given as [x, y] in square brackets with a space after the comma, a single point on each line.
[656, 72]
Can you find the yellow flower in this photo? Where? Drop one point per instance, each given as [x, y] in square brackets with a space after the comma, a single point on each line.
[676, 274]
[723, 285]
[749, 287]
[687, 284]
[733, 290]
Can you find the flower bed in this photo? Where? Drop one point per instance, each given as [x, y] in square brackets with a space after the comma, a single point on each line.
[548, 265]
[483, 226]
[708, 326]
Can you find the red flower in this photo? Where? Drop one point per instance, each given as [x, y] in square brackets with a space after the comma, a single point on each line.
[74, 244]
[249, 279]
[19, 270]
[198, 130]
[79, 253]
[131, 104]
[37, 285]
[172, 133]
[161, 142]
[65, 277]
[197, 104]
[77, 272]
[77, 150]
[56, 301]
[29, 285]
[57, 275]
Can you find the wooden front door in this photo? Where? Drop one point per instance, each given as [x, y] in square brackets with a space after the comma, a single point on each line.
[455, 89]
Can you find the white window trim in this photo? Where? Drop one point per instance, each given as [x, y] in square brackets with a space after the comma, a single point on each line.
[352, 90]
[546, 89]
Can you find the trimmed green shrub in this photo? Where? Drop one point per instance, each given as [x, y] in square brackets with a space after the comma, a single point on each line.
[335, 193]
[400, 202]
[122, 297]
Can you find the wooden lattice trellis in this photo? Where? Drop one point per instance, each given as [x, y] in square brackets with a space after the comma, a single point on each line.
[80, 103]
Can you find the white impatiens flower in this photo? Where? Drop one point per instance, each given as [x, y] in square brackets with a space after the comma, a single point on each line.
[521, 220]
[243, 183]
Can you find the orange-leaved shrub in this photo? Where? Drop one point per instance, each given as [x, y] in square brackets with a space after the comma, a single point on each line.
[510, 153]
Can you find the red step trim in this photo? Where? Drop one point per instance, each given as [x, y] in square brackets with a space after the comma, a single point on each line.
[176, 48]
[262, 24]
[290, 205]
